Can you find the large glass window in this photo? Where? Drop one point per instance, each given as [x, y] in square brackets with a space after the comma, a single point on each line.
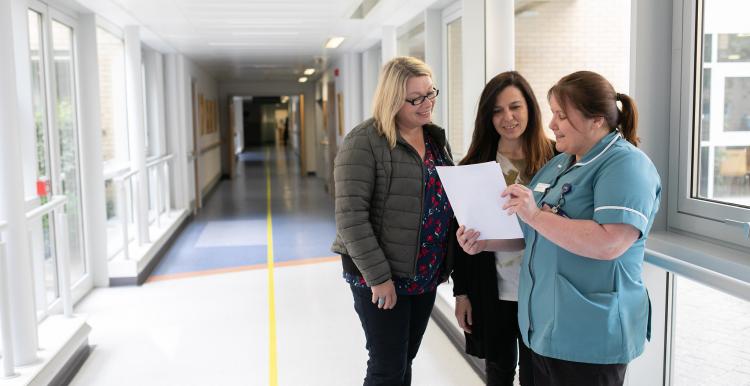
[714, 177]
[112, 97]
[64, 90]
[53, 102]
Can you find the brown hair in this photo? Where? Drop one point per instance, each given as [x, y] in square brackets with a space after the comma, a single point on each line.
[391, 92]
[593, 95]
[537, 148]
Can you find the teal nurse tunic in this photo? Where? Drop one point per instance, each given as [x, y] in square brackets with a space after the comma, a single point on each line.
[581, 309]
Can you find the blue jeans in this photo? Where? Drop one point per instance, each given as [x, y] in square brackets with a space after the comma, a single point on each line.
[393, 336]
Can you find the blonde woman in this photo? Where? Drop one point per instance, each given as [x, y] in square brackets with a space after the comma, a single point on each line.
[392, 218]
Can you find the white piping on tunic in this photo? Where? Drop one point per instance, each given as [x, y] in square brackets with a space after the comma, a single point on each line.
[622, 208]
[618, 136]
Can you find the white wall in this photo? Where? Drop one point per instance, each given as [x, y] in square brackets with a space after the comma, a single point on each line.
[209, 163]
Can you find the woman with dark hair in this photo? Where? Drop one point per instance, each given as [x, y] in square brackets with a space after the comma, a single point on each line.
[583, 309]
[508, 130]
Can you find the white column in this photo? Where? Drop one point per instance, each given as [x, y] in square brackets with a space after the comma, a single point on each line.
[433, 55]
[388, 44]
[92, 167]
[352, 90]
[473, 46]
[155, 91]
[136, 128]
[500, 43]
[25, 107]
[175, 127]
[20, 281]
[370, 71]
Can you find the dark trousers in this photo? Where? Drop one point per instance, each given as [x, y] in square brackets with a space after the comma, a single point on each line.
[556, 372]
[511, 351]
[393, 336]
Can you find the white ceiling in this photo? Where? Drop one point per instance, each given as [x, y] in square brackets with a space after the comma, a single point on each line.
[257, 39]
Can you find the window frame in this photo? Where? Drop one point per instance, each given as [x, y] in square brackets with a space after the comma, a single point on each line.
[704, 218]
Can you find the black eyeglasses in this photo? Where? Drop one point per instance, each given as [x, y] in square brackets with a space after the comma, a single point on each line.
[420, 99]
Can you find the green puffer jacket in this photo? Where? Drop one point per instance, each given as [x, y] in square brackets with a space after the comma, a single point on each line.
[379, 195]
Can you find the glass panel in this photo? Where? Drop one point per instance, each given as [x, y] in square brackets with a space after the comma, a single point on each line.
[711, 336]
[721, 171]
[734, 47]
[455, 89]
[65, 117]
[44, 262]
[737, 104]
[114, 222]
[36, 56]
[112, 97]
[706, 106]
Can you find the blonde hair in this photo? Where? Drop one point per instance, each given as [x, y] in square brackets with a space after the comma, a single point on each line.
[390, 94]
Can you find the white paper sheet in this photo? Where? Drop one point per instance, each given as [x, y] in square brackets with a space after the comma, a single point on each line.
[474, 193]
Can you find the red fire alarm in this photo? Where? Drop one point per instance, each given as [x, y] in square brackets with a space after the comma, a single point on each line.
[335, 72]
[42, 186]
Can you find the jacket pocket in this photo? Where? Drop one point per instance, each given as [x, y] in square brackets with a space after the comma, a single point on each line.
[587, 325]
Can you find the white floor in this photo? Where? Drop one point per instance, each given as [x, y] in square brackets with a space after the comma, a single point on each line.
[213, 330]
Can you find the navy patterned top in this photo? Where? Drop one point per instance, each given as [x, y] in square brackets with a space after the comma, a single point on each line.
[436, 217]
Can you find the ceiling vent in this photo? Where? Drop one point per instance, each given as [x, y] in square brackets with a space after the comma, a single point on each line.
[364, 8]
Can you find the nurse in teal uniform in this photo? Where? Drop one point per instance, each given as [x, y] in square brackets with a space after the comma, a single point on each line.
[582, 307]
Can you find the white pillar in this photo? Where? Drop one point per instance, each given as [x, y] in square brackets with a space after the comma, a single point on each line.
[352, 74]
[500, 43]
[371, 63]
[473, 46]
[433, 55]
[388, 44]
[175, 127]
[155, 90]
[20, 281]
[92, 168]
[136, 128]
[25, 107]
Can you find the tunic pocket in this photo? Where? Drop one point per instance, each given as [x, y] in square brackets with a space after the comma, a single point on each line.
[587, 326]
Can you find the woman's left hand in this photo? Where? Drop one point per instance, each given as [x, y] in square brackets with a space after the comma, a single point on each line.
[521, 202]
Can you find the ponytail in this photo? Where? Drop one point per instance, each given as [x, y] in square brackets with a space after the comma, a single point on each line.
[627, 119]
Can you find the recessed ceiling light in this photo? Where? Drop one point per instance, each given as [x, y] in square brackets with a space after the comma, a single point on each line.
[303, 79]
[334, 42]
[309, 71]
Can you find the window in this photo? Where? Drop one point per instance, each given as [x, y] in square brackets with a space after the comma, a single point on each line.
[54, 107]
[714, 167]
[112, 98]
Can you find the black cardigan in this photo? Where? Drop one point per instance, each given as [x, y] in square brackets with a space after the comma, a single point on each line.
[476, 277]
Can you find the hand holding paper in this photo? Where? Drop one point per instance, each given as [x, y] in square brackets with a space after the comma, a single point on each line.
[474, 193]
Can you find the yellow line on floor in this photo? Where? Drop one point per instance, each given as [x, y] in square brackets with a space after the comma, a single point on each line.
[273, 376]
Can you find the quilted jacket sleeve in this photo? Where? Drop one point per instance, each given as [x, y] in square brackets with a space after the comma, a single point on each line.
[354, 173]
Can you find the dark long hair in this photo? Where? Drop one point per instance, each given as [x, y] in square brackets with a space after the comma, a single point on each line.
[593, 95]
[537, 148]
